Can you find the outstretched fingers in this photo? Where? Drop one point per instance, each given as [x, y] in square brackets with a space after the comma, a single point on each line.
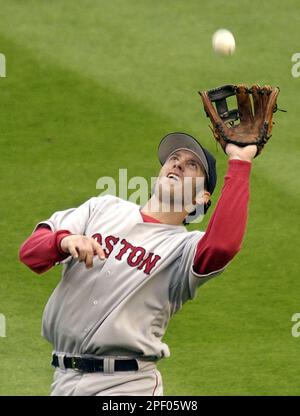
[257, 100]
[84, 249]
[73, 251]
[244, 104]
[92, 248]
[89, 258]
[266, 91]
[271, 107]
[98, 249]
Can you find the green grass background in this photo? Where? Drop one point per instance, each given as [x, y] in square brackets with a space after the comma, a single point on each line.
[91, 87]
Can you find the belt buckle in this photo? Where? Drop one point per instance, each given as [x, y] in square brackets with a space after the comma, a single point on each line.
[73, 364]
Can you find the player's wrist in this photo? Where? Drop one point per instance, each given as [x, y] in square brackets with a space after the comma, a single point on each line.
[246, 153]
[240, 158]
[62, 242]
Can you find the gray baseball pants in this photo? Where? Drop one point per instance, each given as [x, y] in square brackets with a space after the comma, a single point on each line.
[146, 381]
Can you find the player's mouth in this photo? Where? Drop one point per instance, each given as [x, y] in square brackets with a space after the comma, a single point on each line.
[173, 176]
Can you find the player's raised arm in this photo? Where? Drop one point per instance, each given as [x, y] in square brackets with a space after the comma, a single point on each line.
[242, 133]
[226, 229]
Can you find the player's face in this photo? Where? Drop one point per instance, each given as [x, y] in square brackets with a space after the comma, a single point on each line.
[185, 163]
[181, 175]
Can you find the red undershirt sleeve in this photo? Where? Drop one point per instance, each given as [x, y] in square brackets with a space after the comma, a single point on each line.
[226, 228]
[42, 249]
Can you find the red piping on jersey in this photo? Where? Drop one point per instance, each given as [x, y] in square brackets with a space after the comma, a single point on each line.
[156, 383]
[222, 240]
[147, 218]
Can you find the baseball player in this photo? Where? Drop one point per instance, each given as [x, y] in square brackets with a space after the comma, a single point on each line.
[127, 269]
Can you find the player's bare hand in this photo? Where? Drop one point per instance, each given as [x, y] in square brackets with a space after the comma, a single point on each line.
[82, 248]
[246, 153]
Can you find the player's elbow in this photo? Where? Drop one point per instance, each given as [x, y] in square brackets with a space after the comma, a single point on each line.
[23, 253]
[226, 251]
[26, 257]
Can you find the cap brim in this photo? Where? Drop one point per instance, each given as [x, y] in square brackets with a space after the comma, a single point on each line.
[175, 141]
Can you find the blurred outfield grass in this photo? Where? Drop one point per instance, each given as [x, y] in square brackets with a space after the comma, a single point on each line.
[91, 87]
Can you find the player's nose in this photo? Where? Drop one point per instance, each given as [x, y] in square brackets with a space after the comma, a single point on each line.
[178, 164]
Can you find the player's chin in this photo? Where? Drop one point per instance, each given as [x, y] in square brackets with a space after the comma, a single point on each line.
[175, 190]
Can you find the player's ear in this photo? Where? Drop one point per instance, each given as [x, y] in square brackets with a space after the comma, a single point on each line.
[202, 197]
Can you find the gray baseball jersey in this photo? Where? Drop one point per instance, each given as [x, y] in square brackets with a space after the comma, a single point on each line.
[123, 304]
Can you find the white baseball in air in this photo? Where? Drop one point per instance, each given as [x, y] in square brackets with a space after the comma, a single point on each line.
[223, 42]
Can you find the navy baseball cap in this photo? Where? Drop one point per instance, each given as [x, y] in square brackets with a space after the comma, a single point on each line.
[176, 141]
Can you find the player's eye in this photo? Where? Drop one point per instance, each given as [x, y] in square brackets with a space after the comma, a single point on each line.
[173, 158]
[192, 164]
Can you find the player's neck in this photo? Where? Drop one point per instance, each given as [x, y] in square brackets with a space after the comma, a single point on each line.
[157, 210]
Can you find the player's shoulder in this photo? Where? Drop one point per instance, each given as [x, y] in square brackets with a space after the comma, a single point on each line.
[109, 201]
[195, 235]
[182, 236]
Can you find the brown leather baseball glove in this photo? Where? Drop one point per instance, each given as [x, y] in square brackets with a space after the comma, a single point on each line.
[256, 106]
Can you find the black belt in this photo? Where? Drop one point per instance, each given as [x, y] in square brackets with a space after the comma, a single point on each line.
[90, 365]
